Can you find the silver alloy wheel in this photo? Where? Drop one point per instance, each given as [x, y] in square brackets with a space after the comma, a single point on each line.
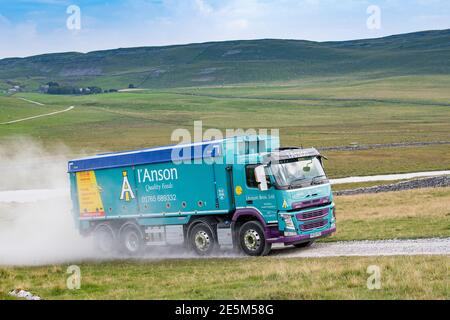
[132, 241]
[252, 240]
[202, 241]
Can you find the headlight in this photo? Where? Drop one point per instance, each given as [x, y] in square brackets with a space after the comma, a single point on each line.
[288, 221]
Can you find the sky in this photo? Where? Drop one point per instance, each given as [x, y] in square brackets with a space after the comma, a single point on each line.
[30, 27]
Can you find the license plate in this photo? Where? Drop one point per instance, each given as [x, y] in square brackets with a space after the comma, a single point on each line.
[315, 234]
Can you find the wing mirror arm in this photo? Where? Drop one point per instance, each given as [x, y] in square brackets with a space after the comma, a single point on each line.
[321, 157]
[260, 176]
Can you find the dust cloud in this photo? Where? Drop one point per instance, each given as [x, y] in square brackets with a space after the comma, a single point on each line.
[36, 224]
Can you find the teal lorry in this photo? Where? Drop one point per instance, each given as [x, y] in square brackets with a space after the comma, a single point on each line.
[246, 192]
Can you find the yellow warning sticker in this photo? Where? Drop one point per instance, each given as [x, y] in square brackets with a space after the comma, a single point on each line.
[89, 199]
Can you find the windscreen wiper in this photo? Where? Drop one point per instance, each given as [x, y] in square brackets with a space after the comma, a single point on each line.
[292, 184]
[314, 180]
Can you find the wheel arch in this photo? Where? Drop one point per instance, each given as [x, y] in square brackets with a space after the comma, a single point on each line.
[248, 214]
[242, 216]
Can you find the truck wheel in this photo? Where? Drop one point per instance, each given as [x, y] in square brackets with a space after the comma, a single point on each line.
[253, 240]
[303, 244]
[132, 240]
[202, 239]
[105, 239]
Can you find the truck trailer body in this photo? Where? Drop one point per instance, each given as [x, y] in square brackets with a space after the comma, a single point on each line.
[243, 191]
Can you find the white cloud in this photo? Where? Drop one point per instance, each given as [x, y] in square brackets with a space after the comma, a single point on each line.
[4, 22]
[203, 7]
[238, 24]
[428, 2]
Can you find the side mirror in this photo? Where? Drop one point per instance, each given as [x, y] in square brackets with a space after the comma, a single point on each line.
[321, 158]
[260, 176]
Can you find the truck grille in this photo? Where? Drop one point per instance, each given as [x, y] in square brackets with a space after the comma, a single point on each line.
[313, 225]
[312, 215]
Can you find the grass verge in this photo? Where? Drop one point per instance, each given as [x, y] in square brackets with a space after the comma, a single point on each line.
[402, 277]
[420, 213]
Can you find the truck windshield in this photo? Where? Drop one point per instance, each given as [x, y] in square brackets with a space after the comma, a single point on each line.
[297, 173]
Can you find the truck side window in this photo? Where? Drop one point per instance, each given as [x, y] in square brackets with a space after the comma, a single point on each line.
[250, 176]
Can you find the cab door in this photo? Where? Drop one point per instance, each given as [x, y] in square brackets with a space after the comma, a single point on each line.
[248, 195]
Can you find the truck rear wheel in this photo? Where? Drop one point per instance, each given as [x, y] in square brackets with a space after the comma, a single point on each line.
[132, 240]
[253, 240]
[105, 239]
[202, 239]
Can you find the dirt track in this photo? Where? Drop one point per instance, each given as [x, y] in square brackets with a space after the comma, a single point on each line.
[38, 116]
[365, 248]
[434, 246]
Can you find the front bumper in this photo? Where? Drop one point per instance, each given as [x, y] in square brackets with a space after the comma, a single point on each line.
[287, 240]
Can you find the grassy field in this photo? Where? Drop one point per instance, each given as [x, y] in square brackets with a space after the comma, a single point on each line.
[318, 113]
[405, 214]
[325, 112]
[415, 277]
[418, 213]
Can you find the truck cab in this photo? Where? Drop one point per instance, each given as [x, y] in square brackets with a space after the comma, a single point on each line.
[289, 190]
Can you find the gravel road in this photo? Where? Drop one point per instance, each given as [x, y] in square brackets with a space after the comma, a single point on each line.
[365, 248]
[38, 116]
[62, 253]
[433, 246]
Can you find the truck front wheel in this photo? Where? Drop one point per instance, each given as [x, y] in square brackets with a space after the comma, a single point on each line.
[202, 239]
[253, 240]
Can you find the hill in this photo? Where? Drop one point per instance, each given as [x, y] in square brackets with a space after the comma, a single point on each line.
[217, 63]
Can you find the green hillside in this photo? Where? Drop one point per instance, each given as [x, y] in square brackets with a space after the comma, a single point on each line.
[218, 63]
